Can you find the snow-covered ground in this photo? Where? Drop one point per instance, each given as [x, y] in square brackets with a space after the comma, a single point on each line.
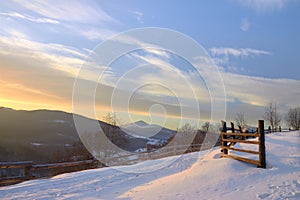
[188, 177]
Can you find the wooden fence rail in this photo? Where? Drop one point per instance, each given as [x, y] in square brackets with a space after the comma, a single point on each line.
[27, 170]
[229, 139]
[166, 151]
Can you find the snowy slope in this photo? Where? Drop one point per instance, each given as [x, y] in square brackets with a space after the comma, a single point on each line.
[187, 178]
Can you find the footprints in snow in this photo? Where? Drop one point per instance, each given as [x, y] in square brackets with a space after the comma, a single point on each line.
[286, 190]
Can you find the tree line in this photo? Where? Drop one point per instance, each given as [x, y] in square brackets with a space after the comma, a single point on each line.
[274, 118]
[271, 115]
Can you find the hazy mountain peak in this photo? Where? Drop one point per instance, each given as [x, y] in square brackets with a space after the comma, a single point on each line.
[141, 123]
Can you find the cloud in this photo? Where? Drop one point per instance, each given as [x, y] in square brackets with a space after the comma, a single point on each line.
[161, 80]
[27, 77]
[56, 56]
[245, 25]
[98, 34]
[149, 48]
[30, 18]
[16, 86]
[139, 16]
[84, 14]
[44, 74]
[258, 91]
[264, 5]
[16, 33]
[251, 94]
[14, 45]
[78, 11]
[243, 52]
[224, 57]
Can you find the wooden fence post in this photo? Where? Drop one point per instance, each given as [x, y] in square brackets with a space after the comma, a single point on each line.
[262, 148]
[27, 172]
[233, 131]
[224, 130]
[232, 127]
[241, 131]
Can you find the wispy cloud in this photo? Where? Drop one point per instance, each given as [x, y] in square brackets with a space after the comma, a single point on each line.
[98, 34]
[16, 33]
[242, 52]
[25, 63]
[16, 86]
[84, 18]
[245, 25]
[258, 91]
[150, 48]
[80, 11]
[57, 56]
[264, 5]
[254, 93]
[30, 18]
[224, 57]
[139, 16]
[40, 73]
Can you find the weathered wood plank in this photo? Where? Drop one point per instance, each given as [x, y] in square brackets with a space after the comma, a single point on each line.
[11, 180]
[241, 150]
[241, 141]
[6, 165]
[241, 134]
[57, 165]
[256, 162]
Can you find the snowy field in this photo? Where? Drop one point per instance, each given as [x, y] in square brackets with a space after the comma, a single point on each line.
[189, 177]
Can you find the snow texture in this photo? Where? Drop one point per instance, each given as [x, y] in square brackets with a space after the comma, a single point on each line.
[188, 177]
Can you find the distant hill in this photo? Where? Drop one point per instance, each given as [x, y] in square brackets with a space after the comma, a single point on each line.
[41, 136]
[45, 136]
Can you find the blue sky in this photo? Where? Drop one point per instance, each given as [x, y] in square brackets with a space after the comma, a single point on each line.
[255, 41]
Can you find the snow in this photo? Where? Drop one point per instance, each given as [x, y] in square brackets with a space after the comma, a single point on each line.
[157, 142]
[189, 176]
[141, 150]
[36, 144]
[60, 121]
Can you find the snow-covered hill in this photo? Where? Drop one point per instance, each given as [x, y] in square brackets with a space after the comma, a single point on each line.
[188, 177]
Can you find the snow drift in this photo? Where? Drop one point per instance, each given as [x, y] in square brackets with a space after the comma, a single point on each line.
[188, 177]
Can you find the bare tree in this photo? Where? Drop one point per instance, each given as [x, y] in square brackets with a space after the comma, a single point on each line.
[205, 126]
[240, 119]
[113, 133]
[293, 118]
[186, 134]
[187, 129]
[111, 129]
[272, 115]
[111, 118]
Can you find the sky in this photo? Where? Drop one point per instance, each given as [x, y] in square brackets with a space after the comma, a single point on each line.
[254, 44]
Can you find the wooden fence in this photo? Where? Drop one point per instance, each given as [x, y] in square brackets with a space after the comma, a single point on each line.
[16, 172]
[132, 158]
[229, 139]
[27, 170]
